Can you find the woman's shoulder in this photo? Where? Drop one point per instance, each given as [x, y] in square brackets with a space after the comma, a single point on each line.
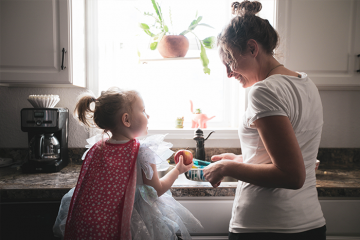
[268, 88]
[278, 84]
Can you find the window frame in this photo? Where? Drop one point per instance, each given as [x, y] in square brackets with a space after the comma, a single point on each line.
[223, 137]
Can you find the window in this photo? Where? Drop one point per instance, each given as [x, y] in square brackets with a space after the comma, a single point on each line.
[114, 38]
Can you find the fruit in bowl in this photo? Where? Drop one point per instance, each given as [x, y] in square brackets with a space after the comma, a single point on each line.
[187, 155]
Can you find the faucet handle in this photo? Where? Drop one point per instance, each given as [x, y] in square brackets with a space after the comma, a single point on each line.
[199, 133]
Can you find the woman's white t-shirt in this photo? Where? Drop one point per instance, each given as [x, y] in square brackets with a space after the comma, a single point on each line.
[261, 209]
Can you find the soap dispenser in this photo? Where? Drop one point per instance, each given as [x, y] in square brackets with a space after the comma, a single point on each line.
[200, 140]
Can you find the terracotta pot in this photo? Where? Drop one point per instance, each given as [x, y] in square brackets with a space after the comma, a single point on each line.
[172, 46]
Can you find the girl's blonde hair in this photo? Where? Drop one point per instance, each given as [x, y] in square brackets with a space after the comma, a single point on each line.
[243, 27]
[103, 114]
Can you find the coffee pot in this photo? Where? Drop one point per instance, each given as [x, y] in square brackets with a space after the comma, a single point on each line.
[44, 147]
[48, 131]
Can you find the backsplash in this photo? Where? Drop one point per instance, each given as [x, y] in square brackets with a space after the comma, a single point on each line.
[331, 157]
[341, 123]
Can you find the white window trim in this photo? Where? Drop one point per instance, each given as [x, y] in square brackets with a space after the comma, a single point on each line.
[187, 134]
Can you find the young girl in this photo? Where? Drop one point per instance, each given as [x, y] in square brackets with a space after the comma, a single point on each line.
[119, 194]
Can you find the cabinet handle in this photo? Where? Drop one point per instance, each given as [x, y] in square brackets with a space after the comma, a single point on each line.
[62, 61]
[358, 57]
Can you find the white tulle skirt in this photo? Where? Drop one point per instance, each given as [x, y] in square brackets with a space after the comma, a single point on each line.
[60, 222]
[161, 217]
[153, 217]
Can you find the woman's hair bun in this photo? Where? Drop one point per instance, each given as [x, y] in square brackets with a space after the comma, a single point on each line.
[245, 8]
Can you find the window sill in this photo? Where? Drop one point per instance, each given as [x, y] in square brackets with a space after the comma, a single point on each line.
[188, 133]
[152, 56]
[182, 138]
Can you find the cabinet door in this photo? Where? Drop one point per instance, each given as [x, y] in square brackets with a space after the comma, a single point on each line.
[29, 220]
[33, 34]
[321, 38]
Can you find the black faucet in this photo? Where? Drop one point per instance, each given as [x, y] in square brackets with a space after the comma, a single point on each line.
[200, 140]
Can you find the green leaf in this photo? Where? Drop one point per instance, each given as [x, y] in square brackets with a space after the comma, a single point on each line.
[206, 70]
[204, 59]
[157, 38]
[194, 23]
[206, 25]
[160, 36]
[203, 56]
[144, 26]
[153, 45]
[184, 32]
[166, 28]
[138, 53]
[198, 19]
[155, 5]
[149, 33]
[209, 42]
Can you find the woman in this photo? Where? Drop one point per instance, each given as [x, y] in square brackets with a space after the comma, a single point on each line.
[280, 133]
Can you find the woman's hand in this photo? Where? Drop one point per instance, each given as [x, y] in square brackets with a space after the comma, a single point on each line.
[214, 172]
[227, 156]
[181, 167]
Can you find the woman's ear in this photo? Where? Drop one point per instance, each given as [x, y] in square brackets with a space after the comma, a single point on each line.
[125, 119]
[253, 47]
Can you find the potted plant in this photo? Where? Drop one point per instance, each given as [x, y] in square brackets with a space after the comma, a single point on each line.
[170, 46]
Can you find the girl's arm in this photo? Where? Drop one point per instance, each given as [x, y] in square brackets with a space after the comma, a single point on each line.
[164, 184]
[287, 169]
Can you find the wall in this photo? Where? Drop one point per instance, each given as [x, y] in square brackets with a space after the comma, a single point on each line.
[12, 100]
[341, 117]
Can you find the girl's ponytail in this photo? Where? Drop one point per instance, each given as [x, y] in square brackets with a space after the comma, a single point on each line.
[101, 112]
[83, 111]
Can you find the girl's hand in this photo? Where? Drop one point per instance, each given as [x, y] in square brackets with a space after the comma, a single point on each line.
[214, 173]
[181, 167]
[227, 156]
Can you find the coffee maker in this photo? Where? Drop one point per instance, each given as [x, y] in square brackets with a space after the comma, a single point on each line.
[48, 131]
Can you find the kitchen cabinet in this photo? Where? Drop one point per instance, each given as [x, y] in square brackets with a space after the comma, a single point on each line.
[342, 216]
[34, 220]
[28, 220]
[41, 43]
[321, 38]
